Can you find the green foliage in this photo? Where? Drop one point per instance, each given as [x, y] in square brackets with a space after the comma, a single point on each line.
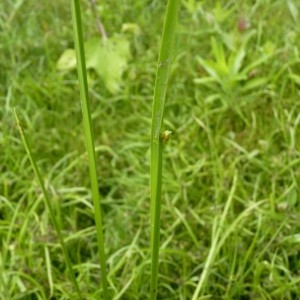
[108, 58]
[48, 205]
[232, 78]
[233, 153]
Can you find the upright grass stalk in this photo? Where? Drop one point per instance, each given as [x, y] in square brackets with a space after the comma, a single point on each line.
[89, 137]
[157, 137]
[49, 206]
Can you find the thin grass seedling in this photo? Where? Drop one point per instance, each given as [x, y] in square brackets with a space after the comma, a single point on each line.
[89, 137]
[157, 137]
[48, 204]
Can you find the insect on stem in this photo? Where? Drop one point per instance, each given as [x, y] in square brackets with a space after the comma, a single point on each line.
[165, 136]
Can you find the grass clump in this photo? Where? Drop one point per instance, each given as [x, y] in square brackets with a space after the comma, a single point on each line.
[232, 107]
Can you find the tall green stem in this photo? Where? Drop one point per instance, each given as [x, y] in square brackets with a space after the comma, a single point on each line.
[162, 76]
[89, 137]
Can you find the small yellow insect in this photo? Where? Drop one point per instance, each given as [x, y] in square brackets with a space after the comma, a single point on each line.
[165, 136]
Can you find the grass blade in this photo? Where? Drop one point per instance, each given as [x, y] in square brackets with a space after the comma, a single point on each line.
[48, 203]
[89, 137]
[157, 139]
[215, 244]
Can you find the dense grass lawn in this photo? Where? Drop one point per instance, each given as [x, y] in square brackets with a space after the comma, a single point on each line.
[230, 197]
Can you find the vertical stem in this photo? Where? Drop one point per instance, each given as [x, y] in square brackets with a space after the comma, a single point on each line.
[89, 137]
[156, 174]
[162, 76]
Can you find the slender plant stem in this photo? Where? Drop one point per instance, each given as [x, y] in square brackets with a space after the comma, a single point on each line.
[89, 137]
[162, 75]
[48, 204]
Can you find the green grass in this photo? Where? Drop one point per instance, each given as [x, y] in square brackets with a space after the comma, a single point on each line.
[49, 206]
[230, 193]
[159, 137]
[89, 138]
